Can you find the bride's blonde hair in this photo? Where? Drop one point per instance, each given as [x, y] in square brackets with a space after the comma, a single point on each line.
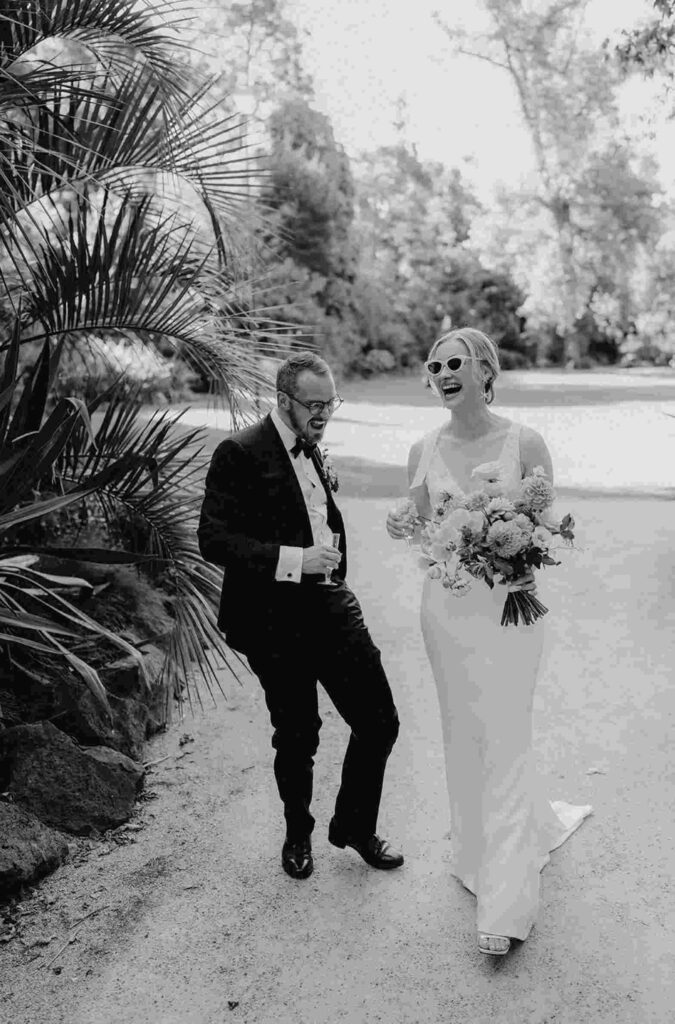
[483, 352]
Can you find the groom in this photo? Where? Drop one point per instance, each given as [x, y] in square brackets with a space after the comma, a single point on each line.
[268, 504]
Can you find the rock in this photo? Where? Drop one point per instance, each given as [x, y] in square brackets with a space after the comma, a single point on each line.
[130, 730]
[115, 759]
[73, 789]
[122, 678]
[138, 709]
[83, 717]
[28, 849]
[80, 714]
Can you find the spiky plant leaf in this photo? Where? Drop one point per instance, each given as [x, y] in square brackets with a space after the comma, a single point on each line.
[164, 518]
[117, 34]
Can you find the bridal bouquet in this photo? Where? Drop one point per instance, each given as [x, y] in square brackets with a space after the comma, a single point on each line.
[487, 535]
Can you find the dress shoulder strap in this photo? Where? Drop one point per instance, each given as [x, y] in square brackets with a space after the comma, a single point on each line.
[428, 447]
[511, 450]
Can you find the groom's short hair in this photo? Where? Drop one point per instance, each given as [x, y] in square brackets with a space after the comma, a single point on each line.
[299, 362]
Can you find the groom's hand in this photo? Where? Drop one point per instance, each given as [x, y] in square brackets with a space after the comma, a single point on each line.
[320, 559]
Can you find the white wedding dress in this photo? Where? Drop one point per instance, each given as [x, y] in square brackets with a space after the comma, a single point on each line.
[502, 826]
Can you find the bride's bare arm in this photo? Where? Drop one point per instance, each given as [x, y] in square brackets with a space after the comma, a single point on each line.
[396, 525]
[534, 452]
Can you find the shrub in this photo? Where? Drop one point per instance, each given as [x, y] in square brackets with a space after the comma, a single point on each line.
[378, 360]
[110, 361]
[510, 360]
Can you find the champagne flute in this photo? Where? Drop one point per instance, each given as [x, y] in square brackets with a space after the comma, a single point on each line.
[330, 539]
[335, 542]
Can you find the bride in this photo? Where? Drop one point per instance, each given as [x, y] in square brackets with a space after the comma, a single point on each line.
[502, 826]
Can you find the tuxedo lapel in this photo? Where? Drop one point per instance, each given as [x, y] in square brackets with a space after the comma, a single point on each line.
[317, 461]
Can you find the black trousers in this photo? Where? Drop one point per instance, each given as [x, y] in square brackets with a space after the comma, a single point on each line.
[318, 635]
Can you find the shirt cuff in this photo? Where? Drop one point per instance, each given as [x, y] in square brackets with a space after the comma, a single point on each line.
[289, 566]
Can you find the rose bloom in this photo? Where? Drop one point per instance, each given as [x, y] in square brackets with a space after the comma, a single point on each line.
[475, 526]
[541, 538]
[524, 523]
[507, 539]
[458, 518]
[491, 472]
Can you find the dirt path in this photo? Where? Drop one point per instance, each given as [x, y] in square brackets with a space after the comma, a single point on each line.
[199, 925]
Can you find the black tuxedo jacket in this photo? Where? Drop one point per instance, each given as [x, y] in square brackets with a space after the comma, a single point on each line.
[253, 505]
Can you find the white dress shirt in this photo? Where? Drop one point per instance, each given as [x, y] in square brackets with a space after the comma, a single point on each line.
[289, 566]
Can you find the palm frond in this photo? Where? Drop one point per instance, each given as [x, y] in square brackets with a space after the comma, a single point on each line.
[23, 591]
[109, 269]
[124, 139]
[118, 34]
[28, 83]
[112, 271]
[163, 518]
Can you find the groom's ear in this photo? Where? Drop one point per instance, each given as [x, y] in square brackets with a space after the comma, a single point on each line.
[283, 401]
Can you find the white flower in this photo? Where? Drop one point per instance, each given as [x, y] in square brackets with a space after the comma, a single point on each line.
[498, 505]
[541, 538]
[458, 518]
[475, 527]
[524, 523]
[438, 541]
[491, 472]
[448, 533]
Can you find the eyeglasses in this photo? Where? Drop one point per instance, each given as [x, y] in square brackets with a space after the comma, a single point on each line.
[316, 408]
[454, 363]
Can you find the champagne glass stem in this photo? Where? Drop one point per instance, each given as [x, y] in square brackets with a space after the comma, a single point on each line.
[335, 541]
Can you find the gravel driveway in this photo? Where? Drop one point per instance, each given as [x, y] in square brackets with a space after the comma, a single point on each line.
[194, 920]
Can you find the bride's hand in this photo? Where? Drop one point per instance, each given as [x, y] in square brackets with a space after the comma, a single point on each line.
[398, 525]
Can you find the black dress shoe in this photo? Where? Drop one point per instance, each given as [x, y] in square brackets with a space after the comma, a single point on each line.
[296, 858]
[375, 851]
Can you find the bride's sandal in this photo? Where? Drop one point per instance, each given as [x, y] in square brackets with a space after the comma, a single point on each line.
[493, 945]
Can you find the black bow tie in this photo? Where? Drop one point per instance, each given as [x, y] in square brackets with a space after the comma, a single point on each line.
[302, 446]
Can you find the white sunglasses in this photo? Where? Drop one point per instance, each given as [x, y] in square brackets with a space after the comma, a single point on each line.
[454, 363]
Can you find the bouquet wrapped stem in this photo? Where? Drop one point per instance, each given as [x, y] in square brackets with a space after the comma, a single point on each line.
[520, 604]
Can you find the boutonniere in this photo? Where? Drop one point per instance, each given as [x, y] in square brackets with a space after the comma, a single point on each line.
[329, 470]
